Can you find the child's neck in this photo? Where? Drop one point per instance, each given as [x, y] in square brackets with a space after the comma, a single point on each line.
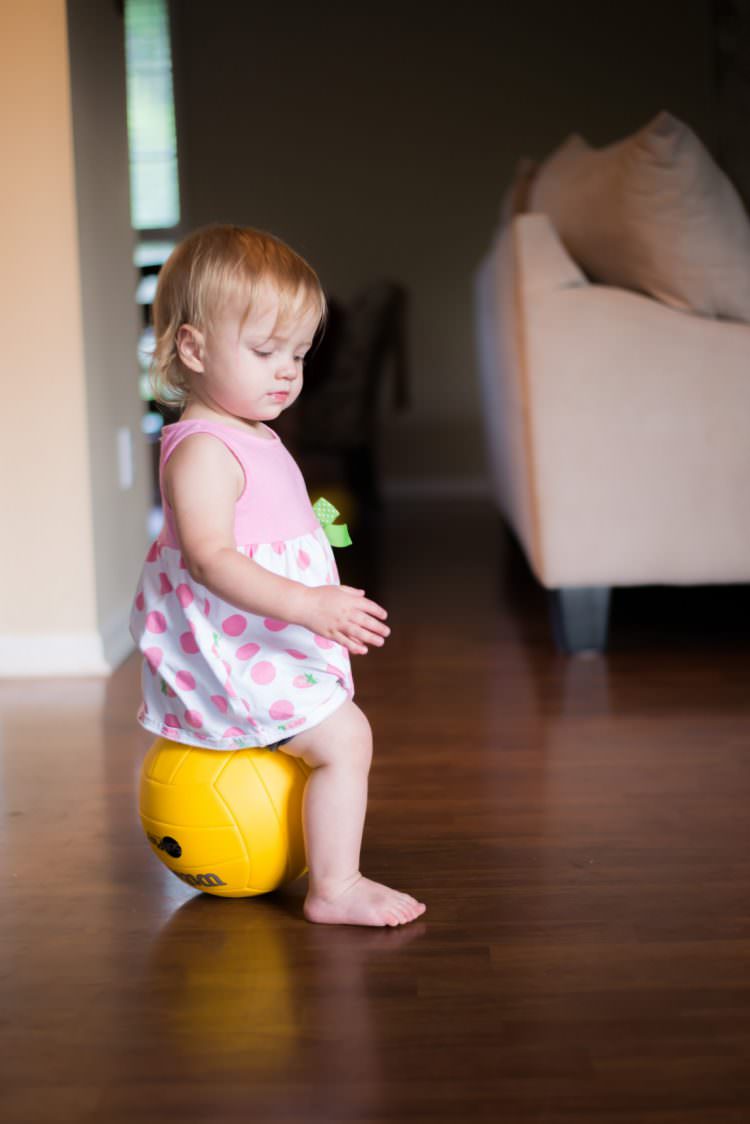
[199, 411]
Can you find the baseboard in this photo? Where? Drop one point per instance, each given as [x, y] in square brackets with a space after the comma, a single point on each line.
[58, 654]
[449, 487]
[52, 654]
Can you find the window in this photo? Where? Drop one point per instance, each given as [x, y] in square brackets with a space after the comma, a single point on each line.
[154, 189]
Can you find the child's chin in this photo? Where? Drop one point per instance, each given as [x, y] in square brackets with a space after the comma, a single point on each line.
[280, 407]
[267, 410]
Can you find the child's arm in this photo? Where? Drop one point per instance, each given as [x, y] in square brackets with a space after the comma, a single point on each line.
[203, 482]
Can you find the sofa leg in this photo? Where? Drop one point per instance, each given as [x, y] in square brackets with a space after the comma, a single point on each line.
[580, 617]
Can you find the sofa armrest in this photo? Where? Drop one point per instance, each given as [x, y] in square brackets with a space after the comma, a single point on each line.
[545, 263]
[545, 266]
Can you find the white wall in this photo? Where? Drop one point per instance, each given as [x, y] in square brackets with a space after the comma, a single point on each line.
[377, 138]
[71, 538]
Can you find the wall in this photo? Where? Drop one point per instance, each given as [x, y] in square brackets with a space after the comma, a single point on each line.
[71, 537]
[378, 139]
[732, 37]
[47, 559]
[110, 315]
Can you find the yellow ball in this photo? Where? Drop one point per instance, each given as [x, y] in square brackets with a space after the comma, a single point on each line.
[228, 823]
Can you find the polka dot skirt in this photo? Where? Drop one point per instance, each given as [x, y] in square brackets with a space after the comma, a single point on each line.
[224, 679]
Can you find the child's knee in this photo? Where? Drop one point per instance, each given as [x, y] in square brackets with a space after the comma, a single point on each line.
[361, 745]
[344, 738]
[351, 743]
[359, 737]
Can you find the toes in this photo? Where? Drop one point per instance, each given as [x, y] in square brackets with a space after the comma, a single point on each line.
[404, 908]
[396, 915]
[409, 901]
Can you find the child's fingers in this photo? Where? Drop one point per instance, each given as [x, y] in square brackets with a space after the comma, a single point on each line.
[373, 609]
[355, 638]
[372, 638]
[368, 632]
[355, 647]
[374, 627]
[366, 605]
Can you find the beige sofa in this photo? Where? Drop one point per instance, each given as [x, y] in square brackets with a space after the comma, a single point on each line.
[617, 425]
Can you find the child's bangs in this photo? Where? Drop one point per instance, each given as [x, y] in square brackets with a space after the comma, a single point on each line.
[232, 285]
[297, 300]
[297, 304]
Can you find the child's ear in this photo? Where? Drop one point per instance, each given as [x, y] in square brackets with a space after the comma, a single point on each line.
[190, 344]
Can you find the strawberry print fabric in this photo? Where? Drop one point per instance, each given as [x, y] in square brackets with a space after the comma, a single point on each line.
[213, 675]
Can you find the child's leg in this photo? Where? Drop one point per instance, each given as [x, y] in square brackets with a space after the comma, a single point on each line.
[339, 752]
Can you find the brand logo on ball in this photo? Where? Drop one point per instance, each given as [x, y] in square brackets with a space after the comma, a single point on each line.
[167, 844]
[200, 879]
[174, 850]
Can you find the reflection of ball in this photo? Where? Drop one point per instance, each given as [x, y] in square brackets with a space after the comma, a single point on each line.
[229, 995]
[229, 823]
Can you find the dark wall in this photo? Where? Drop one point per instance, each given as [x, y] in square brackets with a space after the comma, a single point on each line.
[378, 139]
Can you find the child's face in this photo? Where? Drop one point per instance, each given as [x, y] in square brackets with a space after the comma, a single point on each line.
[253, 370]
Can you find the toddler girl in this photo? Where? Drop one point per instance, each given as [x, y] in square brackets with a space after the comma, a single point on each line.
[245, 631]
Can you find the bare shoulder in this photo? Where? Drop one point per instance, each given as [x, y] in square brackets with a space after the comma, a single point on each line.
[198, 459]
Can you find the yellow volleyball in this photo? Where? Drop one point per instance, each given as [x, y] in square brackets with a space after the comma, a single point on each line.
[228, 823]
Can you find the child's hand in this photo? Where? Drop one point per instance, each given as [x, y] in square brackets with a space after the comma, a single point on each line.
[345, 615]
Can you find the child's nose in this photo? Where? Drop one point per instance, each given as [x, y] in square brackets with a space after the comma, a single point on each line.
[286, 369]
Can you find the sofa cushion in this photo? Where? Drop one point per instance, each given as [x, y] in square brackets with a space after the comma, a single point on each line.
[652, 212]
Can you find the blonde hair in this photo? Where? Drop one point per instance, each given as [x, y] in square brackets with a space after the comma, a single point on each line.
[208, 269]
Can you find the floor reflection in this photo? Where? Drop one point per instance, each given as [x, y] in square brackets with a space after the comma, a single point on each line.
[241, 992]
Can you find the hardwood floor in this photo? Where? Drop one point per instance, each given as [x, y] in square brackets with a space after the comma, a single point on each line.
[578, 828]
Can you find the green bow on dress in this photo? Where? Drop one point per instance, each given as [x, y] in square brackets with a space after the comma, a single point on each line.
[327, 515]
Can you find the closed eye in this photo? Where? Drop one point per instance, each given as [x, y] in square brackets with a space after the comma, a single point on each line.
[262, 354]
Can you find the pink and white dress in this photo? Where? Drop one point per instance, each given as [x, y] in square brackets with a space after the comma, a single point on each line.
[216, 676]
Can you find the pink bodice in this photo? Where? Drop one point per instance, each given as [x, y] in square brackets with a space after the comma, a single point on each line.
[274, 505]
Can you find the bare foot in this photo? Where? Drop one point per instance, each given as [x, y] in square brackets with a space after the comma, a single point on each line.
[363, 902]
